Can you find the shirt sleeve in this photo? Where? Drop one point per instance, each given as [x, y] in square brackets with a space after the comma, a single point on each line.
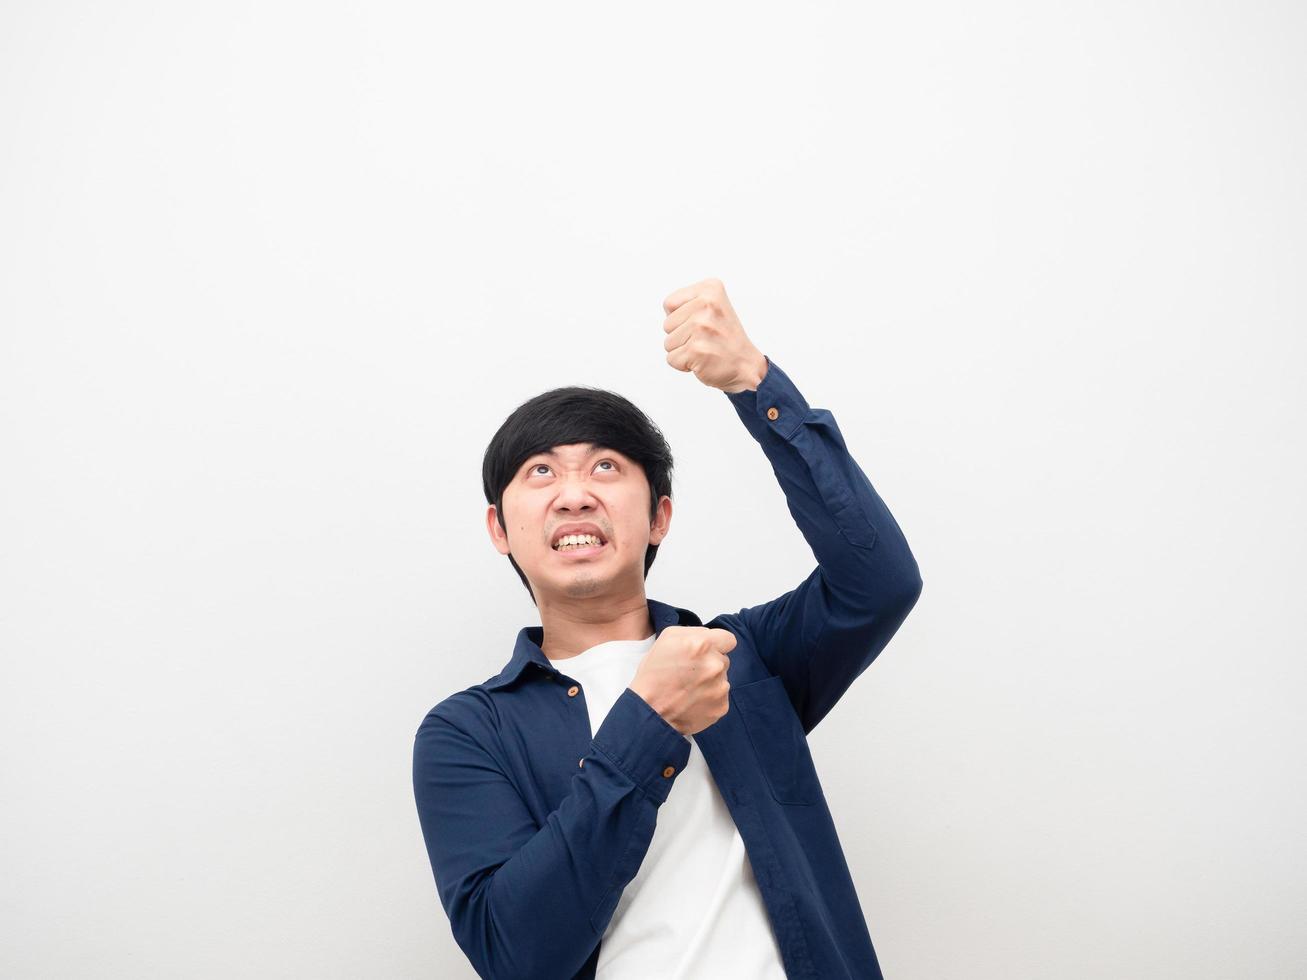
[526, 900]
[821, 635]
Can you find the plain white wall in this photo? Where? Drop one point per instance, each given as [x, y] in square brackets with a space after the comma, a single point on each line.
[274, 272]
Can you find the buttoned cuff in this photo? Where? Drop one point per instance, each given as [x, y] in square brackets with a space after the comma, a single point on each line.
[640, 742]
[775, 408]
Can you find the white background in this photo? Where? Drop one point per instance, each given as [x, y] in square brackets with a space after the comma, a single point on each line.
[272, 273]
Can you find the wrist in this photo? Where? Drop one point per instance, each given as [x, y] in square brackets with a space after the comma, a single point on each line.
[757, 371]
[647, 696]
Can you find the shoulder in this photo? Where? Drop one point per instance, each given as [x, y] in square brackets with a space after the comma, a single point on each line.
[471, 711]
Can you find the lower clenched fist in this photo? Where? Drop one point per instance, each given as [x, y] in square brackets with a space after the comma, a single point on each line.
[683, 676]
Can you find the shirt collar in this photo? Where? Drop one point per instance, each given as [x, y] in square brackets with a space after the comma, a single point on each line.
[527, 649]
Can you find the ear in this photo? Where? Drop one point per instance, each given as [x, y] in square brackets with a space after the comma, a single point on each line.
[662, 521]
[498, 537]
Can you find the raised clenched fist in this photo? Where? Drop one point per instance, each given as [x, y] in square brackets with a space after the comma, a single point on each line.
[705, 336]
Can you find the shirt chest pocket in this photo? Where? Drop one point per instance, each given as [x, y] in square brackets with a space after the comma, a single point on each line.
[777, 737]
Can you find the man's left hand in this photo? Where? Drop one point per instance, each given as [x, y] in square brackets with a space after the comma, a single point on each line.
[705, 336]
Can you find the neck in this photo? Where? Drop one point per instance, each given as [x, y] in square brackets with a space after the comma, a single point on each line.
[573, 626]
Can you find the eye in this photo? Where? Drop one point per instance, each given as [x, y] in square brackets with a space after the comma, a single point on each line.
[534, 470]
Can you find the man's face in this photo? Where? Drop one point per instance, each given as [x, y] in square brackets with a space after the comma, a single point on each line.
[579, 484]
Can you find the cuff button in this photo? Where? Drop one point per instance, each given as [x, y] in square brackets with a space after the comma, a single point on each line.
[773, 414]
[668, 772]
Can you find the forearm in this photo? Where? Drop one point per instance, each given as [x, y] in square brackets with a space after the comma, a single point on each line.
[856, 540]
[533, 901]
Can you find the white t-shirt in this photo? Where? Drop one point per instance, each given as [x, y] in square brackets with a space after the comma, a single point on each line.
[693, 910]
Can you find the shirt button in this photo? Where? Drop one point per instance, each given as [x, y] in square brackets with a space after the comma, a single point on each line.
[773, 414]
[571, 691]
[668, 771]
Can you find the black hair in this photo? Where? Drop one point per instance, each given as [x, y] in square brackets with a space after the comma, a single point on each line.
[576, 414]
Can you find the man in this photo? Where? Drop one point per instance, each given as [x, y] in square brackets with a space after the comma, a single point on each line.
[633, 794]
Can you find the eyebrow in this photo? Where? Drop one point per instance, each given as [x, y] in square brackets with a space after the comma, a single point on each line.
[594, 448]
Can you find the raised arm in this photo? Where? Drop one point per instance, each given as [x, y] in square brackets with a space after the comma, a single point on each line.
[526, 900]
[821, 635]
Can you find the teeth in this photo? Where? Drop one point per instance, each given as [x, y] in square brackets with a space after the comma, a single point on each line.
[571, 540]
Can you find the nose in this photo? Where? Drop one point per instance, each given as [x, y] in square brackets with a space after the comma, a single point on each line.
[574, 495]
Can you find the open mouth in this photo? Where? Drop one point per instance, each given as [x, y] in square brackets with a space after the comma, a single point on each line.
[581, 549]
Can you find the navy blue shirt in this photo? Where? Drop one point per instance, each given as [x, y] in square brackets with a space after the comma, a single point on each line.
[534, 828]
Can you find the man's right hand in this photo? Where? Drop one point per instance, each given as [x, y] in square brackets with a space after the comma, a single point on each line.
[683, 676]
